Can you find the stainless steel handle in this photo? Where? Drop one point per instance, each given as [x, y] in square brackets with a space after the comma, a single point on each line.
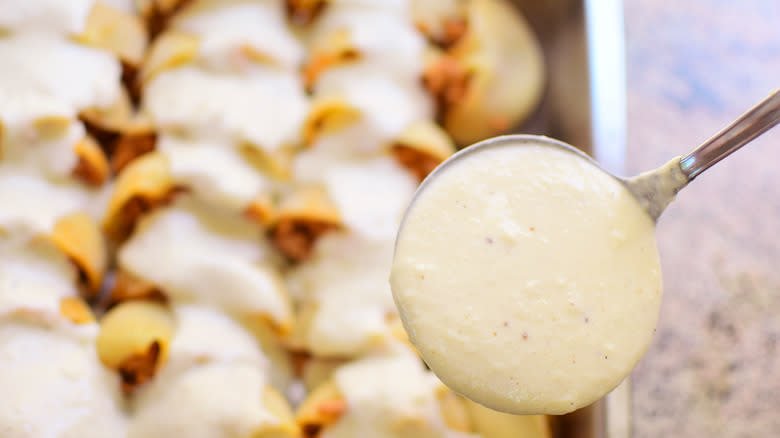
[750, 125]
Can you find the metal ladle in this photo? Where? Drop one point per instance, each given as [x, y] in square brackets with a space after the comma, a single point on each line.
[657, 188]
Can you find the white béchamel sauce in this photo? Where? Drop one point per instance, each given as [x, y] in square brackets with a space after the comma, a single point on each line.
[210, 400]
[347, 279]
[45, 16]
[61, 74]
[230, 29]
[55, 386]
[35, 276]
[390, 396]
[203, 256]
[214, 171]
[32, 205]
[528, 279]
[365, 30]
[228, 107]
[216, 373]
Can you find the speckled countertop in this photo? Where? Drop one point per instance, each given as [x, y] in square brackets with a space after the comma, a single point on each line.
[713, 369]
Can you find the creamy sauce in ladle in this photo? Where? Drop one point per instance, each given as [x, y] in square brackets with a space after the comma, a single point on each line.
[528, 277]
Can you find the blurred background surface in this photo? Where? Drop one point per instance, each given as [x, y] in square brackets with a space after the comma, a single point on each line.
[714, 366]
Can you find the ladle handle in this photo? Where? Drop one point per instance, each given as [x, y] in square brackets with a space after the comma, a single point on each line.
[750, 125]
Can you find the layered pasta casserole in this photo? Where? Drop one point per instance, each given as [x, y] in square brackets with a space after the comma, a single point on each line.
[199, 201]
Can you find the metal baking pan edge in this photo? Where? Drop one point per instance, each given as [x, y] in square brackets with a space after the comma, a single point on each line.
[607, 70]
